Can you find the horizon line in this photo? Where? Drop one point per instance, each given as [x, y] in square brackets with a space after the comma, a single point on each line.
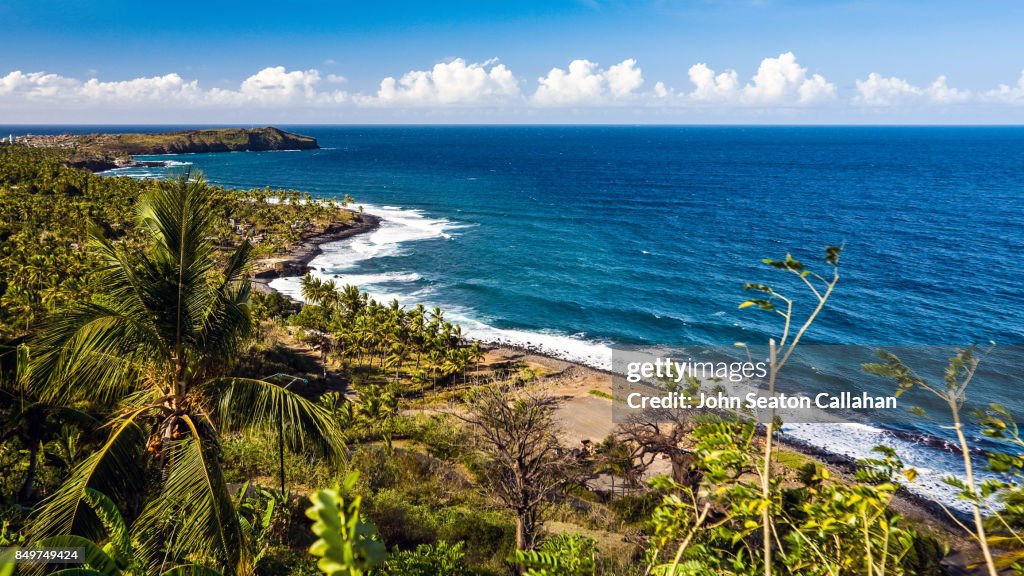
[514, 124]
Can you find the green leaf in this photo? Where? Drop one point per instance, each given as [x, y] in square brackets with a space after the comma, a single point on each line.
[191, 570]
[95, 557]
[347, 545]
[759, 302]
[113, 469]
[258, 406]
[832, 255]
[195, 504]
[113, 522]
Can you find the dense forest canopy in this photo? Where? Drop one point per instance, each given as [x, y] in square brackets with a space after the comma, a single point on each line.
[48, 207]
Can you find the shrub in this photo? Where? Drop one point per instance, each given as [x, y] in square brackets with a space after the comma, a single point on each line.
[489, 535]
[428, 560]
[634, 508]
[249, 456]
[561, 555]
[401, 523]
[377, 470]
[442, 438]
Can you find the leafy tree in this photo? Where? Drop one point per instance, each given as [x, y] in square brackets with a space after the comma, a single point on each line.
[825, 528]
[953, 391]
[378, 407]
[35, 424]
[616, 459]
[780, 352]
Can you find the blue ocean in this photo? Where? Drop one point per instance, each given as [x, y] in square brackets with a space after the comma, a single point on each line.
[573, 240]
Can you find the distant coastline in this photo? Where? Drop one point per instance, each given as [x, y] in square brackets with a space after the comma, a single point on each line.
[99, 152]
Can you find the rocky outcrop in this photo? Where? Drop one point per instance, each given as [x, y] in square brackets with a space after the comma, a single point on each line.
[118, 148]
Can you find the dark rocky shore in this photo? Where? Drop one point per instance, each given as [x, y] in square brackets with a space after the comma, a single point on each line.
[296, 262]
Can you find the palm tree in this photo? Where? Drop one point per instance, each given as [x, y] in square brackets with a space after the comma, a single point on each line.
[155, 347]
[35, 425]
[614, 458]
[378, 406]
[324, 294]
[118, 556]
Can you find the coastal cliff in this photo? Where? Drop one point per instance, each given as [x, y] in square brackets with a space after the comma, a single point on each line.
[99, 152]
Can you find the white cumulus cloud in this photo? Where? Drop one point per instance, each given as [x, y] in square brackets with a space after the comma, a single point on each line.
[1004, 93]
[454, 82]
[878, 90]
[272, 86]
[941, 93]
[709, 87]
[778, 81]
[459, 90]
[277, 86]
[19, 85]
[169, 87]
[585, 83]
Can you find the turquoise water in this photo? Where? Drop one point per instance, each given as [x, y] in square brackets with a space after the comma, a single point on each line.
[577, 239]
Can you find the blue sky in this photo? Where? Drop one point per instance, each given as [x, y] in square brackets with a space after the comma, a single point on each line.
[662, 61]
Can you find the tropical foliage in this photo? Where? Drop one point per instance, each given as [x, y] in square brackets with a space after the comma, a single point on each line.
[150, 400]
[356, 331]
[48, 209]
[153, 349]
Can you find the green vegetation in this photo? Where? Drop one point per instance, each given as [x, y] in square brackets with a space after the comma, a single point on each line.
[1002, 520]
[109, 150]
[365, 337]
[47, 208]
[166, 419]
[348, 545]
[152, 347]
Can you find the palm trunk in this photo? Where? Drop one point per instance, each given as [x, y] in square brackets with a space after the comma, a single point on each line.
[30, 476]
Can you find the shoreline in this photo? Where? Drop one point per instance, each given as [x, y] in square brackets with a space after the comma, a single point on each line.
[571, 379]
[295, 262]
[586, 416]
